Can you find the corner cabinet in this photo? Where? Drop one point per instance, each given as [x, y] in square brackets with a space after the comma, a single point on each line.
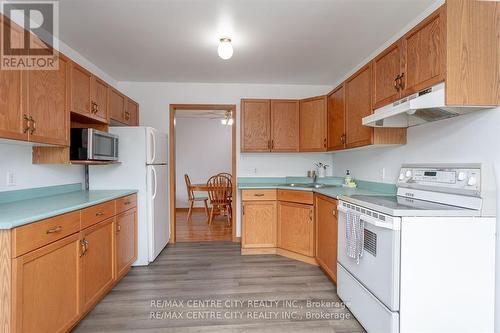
[55, 270]
[296, 228]
[326, 234]
[313, 127]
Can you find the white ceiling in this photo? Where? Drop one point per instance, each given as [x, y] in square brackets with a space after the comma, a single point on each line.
[275, 41]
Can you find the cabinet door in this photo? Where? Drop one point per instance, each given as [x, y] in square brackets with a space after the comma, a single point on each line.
[313, 124]
[386, 71]
[424, 53]
[126, 241]
[48, 103]
[259, 224]
[117, 105]
[358, 105]
[326, 234]
[336, 119]
[285, 125]
[296, 228]
[132, 113]
[46, 287]
[12, 109]
[255, 125]
[100, 99]
[81, 90]
[97, 262]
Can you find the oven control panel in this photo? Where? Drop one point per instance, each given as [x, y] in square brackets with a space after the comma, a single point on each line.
[465, 178]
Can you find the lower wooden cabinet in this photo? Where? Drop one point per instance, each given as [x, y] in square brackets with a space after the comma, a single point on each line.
[326, 234]
[296, 228]
[46, 288]
[52, 282]
[97, 262]
[259, 224]
[125, 241]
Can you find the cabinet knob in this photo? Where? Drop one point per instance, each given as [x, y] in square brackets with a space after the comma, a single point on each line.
[119, 228]
[33, 123]
[396, 82]
[334, 212]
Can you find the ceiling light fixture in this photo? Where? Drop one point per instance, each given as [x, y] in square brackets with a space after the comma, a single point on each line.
[225, 49]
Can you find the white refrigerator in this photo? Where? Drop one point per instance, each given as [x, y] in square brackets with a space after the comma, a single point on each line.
[143, 153]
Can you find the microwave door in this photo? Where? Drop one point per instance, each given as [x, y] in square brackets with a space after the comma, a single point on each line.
[104, 147]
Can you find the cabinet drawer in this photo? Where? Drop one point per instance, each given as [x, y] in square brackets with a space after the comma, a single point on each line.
[97, 213]
[38, 234]
[258, 195]
[125, 203]
[296, 196]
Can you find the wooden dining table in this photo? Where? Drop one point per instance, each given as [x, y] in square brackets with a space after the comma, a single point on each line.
[201, 187]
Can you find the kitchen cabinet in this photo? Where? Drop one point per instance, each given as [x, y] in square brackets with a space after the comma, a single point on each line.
[358, 105]
[89, 95]
[46, 287]
[255, 125]
[117, 103]
[97, 262]
[53, 271]
[284, 125]
[387, 76]
[326, 234]
[132, 113]
[126, 241]
[424, 53]
[313, 128]
[13, 124]
[259, 224]
[48, 104]
[296, 228]
[336, 119]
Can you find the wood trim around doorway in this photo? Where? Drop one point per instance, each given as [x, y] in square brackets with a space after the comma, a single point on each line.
[199, 107]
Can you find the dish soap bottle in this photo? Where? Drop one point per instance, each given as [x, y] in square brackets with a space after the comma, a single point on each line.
[348, 181]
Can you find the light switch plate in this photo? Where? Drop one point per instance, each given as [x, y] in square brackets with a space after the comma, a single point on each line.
[10, 179]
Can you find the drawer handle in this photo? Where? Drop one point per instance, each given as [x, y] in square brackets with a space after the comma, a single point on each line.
[54, 230]
[127, 203]
[99, 214]
[259, 194]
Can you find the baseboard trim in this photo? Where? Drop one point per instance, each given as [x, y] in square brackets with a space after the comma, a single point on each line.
[280, 252]
[185, 210]
[256, 251]
[236, 239]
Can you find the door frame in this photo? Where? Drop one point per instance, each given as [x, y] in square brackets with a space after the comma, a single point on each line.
[172, 174]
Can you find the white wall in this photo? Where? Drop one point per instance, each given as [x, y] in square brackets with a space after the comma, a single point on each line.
[203, 149]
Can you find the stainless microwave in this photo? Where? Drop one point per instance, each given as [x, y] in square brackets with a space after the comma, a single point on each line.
[90, 144]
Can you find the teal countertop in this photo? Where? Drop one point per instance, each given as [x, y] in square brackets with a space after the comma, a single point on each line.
[363, 188]
[22, 207]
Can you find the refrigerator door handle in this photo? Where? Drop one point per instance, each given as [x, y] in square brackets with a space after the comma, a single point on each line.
[155, 185]
[153, 146]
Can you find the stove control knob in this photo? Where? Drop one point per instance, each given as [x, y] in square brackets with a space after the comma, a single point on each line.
[401, 176]
[408, 174]
[462, 175]
[472, 181]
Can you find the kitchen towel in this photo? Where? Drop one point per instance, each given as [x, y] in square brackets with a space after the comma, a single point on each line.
[354, 235]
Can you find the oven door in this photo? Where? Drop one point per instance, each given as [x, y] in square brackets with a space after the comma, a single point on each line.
[104, 146]
[378, 268]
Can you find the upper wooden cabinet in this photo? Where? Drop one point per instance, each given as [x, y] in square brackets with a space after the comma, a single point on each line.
[48, 104]
[89, 94]
[132, 113]
[423, 55]
[313, 127]
[124, 111]
[284, 125]
[255, 125]
[326, 234]
[336, 119]
[358, 105]
[387, 76]
[456, 44]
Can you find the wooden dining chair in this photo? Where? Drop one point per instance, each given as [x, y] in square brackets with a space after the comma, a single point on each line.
[192, 198]
[219, 192]
[230, 195]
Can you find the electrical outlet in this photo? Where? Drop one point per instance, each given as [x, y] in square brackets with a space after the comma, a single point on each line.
[255, 171]
[10, 179]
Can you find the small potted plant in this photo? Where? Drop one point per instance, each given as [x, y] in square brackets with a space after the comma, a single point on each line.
[321, 169]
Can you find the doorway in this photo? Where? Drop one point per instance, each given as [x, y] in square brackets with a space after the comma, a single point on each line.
[196, 228]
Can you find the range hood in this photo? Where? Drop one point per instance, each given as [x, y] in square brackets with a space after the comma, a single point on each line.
[422, 107]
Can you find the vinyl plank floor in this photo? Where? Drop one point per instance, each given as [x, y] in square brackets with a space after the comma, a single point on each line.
[209, 287]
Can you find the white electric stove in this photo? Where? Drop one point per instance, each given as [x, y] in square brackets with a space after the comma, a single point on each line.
[428, 253]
